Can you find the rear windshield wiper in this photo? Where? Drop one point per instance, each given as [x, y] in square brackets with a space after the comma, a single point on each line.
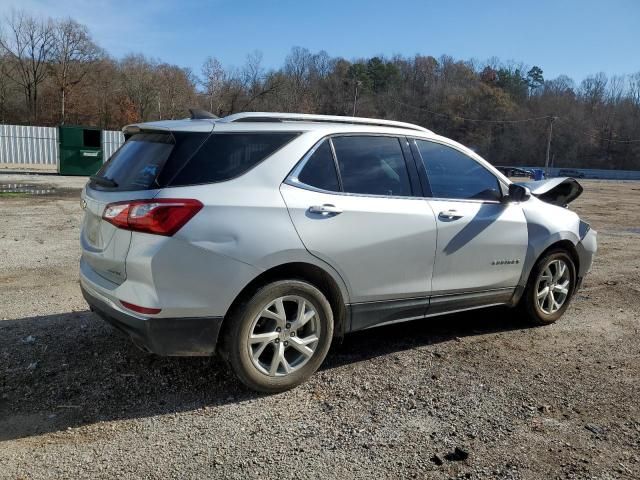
[104, 181]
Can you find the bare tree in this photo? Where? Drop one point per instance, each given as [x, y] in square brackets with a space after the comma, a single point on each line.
[298, 65]
[252, 73]
[72, 57]
[140, 84]
[593, 89]
[213, 78]
[254, 81]
[105, 86]
[28, 41]
[562, 85]
[634, 88]
[176, 87]
[5, 69]
[615, 89]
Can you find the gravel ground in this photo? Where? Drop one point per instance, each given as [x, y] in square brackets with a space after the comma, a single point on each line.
[478, 395]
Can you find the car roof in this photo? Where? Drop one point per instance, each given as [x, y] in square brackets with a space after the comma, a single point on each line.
[265, 121]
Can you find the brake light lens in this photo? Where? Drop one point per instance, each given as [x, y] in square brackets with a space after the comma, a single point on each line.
[161, 216]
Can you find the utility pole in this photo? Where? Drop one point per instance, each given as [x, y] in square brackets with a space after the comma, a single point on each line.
[552, 119]
[355, 97]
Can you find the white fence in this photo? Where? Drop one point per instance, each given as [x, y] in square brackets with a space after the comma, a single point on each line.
[25, 147]
[111, 141]
[22, 146]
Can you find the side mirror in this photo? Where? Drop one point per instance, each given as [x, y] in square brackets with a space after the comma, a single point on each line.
[518, 193]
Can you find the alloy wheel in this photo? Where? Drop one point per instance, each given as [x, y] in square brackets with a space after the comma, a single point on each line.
[284, 336]
[552, 286]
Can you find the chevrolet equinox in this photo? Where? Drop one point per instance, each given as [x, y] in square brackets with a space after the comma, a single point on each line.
[262, 236]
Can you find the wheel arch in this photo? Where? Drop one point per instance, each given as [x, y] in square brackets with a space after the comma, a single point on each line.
[563, 244]
[567, 246]
[309, 272]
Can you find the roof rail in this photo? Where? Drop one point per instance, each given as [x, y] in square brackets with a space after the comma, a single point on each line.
[304, 117]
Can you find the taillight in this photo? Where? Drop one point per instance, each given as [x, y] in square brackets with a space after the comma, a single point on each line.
[161, 216]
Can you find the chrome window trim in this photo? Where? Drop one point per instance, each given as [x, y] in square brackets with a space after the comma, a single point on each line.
[294, 182]
[465, 200]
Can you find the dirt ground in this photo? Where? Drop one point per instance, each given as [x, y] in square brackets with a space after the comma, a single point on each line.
[478, 395]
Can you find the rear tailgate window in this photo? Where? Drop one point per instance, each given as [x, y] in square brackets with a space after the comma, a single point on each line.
[138, 163]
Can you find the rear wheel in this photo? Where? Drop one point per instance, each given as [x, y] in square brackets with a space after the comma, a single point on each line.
[550, 288]
[279, 337]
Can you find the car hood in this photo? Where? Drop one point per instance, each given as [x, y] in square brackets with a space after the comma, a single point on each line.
[557, 191]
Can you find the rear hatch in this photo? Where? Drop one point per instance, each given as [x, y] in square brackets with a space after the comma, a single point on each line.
[137, 171]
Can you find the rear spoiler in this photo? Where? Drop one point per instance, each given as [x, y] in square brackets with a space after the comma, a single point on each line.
[557, 191]
[203, 125]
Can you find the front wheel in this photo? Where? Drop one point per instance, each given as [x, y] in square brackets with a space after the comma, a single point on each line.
[550, 288]
[279, 336]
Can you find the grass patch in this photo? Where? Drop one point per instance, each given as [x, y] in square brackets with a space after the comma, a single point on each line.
[14, 194]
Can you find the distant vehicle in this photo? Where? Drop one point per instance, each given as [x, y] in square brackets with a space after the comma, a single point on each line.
[570, 172]
[516, 172]
[262, 236]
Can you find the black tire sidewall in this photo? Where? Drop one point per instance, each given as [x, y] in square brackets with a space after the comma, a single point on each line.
[531, 302]
[242, 320]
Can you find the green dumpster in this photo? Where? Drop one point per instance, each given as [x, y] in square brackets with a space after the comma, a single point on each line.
[80, 150]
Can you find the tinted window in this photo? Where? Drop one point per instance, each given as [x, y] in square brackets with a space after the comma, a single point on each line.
[137, 163]
[149, 160]
[186, 144]
[227, 155]
[452, 174]
[320, 169]
[372, 165]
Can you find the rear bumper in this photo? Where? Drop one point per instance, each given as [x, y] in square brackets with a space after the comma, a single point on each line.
[162, 336]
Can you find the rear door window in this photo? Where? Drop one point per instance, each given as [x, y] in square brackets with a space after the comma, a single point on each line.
[228, 155]
[452, 174]
[320, 170]
[372, 165]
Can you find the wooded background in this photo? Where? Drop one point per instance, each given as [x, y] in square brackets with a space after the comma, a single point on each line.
[52, 72]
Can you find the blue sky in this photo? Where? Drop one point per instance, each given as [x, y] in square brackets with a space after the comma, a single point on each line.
[569, 37]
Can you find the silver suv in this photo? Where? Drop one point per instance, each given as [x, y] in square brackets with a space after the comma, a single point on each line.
[263, 236]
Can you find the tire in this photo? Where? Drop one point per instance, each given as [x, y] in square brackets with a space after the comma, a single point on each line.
[253, 343]
[545, 312]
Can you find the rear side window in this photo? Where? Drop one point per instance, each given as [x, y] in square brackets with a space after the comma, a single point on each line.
[372, 165]
[186, 145]
[137, 163]
[228, 155]
[452, 174]
[320, 170]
